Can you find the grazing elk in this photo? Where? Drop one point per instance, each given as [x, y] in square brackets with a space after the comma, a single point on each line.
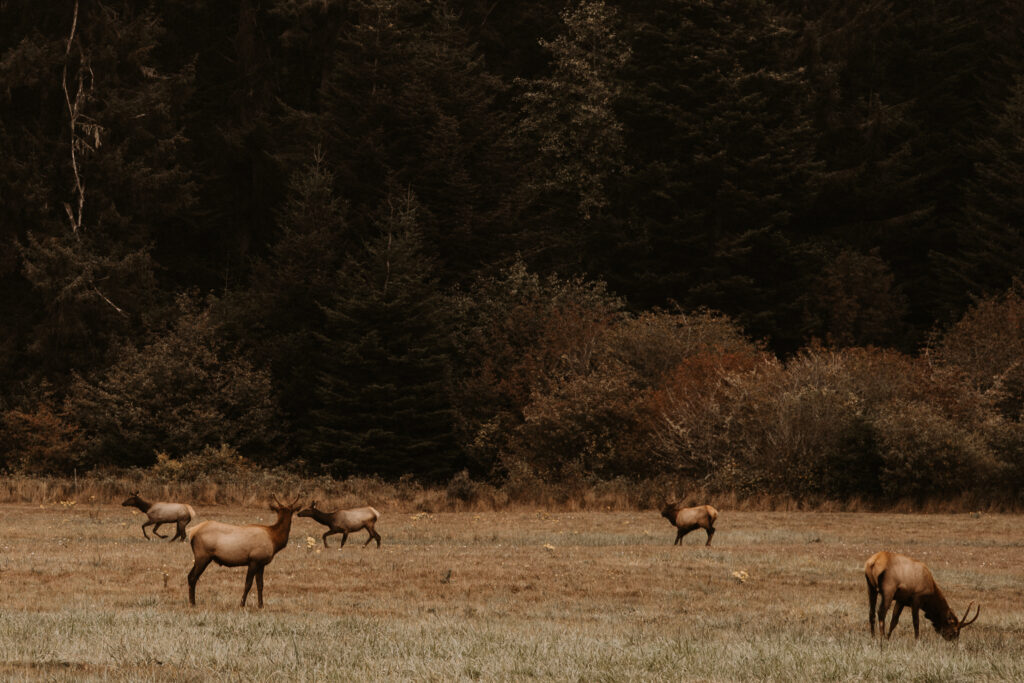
[345, 522]
[253, 546]
[906, 581]
[162, 513]
[688, 519]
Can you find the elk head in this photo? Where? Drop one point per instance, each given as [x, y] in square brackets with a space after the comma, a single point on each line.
[279, 507]
[951, 629]
[309, 511]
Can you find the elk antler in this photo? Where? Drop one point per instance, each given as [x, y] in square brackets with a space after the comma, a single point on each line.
[964, 622]
[274, 500]
[294, 505]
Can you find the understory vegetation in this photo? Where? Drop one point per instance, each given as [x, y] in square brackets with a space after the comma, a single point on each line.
[560, 395]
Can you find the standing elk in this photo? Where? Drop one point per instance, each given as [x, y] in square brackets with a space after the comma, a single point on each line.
[906, 581]
[345, 522]
[162, 513]
[688, 519]
[253, 546]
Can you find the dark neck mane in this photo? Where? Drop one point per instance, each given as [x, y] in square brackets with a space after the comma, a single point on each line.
[280, 530]
[936, 609]
[141, 504]
[323, 517]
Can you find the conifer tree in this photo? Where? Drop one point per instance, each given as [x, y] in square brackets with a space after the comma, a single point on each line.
[408, 103]
[96, 173]
[278, 316]
[722, 157]
[571, 139]
[385, 364]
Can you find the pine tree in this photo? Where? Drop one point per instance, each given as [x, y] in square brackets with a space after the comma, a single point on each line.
[96, 173]
[383, 389]
[721, 151]
[571, 139]
[408, 103]
[279, 314]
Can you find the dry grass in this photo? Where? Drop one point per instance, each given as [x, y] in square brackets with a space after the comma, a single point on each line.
[542, 595]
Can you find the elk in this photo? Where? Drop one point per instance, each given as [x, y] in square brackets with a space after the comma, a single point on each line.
[906, 581]
[345, 522]
[687, 519]
[162, 513]
[252, 545]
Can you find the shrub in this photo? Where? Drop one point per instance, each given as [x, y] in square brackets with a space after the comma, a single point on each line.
[181, 392]
[223, 460]
[987, 342]
[40, 441]
[926, 454]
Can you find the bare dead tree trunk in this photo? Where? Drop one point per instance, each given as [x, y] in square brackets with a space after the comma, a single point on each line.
[85, 134]
[78, 123]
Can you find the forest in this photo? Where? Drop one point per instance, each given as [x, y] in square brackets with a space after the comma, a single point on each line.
[760, 246]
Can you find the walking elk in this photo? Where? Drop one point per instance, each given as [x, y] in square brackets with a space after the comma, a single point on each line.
[162, 513]
[345, 522]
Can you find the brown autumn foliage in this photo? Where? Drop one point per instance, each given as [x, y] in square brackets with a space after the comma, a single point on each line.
[40, 440]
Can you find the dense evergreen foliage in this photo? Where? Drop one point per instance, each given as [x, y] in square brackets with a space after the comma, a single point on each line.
[402, 237]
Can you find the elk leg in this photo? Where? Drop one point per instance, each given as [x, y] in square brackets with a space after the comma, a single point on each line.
[326, 534]
[344, 537]
[259, 586]
[913, 614]
[144, 525]
[156, 530]
[679, 536]
[193, 577]
[373, 534]
[872, 598]
[711, 532]
[249, 574]
[180, 534]
[895, 618]
[882, 609]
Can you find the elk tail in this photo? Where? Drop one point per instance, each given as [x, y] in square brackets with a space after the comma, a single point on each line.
[191, 512]
[376, 515]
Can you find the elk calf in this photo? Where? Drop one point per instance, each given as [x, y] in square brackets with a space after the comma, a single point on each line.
[345, 522]
[905, 581]
[253, 546]
[162, 513]
[688, 519]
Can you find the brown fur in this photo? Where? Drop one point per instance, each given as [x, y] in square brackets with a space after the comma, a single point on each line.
[686, 519]
[253, 546]
[345, 522]
[906, 582]
[158, 514]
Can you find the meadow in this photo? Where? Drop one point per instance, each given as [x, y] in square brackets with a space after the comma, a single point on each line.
[514, 595]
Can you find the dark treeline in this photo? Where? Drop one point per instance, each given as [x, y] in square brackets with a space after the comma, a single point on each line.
[420, 237]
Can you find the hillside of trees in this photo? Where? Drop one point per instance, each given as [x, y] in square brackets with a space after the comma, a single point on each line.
[768, 246]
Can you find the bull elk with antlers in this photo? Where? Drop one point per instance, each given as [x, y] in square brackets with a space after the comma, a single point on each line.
[687, 519]
[253, 546]
[907, 582]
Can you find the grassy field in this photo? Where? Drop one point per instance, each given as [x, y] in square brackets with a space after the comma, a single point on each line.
[587, 596]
